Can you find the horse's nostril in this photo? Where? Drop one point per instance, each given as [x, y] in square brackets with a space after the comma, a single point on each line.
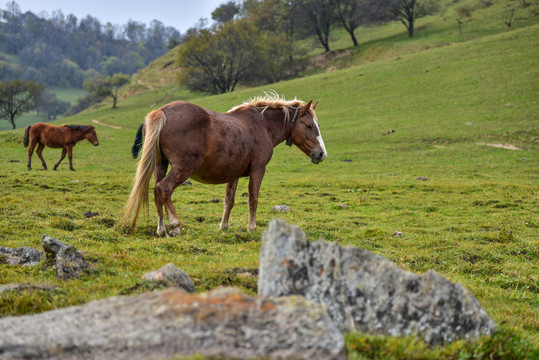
[321, 155]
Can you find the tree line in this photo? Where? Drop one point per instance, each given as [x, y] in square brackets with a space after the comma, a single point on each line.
[64, 51]
[255, 42]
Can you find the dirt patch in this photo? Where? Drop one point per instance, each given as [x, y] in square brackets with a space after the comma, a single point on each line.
[324, 61]
[502, 146]
[107, 125]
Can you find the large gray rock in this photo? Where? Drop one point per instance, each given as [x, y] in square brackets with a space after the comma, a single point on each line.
[171, 323]
[365, 292]
[20, 256]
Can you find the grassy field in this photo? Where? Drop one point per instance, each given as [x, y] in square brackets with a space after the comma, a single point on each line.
[467, 208]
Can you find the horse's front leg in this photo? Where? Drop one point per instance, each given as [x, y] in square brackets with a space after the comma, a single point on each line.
[229, 202]
[39, 153]
[62, 156]
[70, 157]
[255, 180]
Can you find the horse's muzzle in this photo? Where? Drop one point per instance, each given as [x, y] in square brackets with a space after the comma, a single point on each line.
[317, 156]
[97, 143]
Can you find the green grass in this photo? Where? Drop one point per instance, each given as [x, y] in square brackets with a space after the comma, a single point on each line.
[474, 220]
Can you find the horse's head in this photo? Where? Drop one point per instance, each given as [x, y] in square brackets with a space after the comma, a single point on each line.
[306, 133]
[91, 135]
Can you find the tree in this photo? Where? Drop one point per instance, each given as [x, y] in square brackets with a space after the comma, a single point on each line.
[273, 16]
[17, 97]
[215, 60]
[52, 106]
[225, 12]
[406, 11]
[106, 86]
[318, 16]
[348, 12]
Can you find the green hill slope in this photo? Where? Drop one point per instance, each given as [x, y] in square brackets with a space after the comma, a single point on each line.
[466, 207]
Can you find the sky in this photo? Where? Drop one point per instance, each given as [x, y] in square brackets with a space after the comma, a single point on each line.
[180, 14]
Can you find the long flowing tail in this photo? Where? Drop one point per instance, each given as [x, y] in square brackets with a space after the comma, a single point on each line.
[138, 142]
[151, 155]
[26, 139]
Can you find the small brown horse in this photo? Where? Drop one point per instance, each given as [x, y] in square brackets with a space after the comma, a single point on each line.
[217, 148]
[64, 137]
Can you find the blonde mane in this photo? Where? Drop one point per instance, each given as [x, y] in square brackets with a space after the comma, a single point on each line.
[271, 100]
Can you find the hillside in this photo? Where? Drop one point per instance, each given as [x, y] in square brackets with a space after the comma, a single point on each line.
[447, 178]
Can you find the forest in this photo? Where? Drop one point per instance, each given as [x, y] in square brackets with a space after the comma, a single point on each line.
[63, 50]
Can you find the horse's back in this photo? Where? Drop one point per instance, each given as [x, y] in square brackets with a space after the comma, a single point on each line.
[220, 147]
[50, 135]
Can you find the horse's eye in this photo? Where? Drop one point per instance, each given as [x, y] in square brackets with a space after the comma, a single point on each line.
[309, 126]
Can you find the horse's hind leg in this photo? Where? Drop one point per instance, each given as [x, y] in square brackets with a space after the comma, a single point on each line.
[164, 190]
[39, 152]
[62, 156]
[229, 202]
[30, 153]
[159, 173]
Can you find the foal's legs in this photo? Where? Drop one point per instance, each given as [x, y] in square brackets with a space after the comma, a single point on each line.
[70, 157]
[39, 152]
[164, 190]
[229, 202]
[62, 156]
[159, 173]
[255, 179]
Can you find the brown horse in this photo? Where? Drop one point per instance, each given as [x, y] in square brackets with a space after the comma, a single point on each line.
[64, 137]
[217, 148]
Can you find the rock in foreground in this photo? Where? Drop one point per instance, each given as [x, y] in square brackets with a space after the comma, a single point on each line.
[366, 292]
[171, 323]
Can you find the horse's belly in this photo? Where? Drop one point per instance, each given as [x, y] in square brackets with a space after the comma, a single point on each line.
[221, 171]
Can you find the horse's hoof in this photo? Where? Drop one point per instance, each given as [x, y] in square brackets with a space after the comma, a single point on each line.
[175, 232]
[161, 234]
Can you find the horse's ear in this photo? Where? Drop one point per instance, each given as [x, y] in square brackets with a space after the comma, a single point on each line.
[314, 106]
[305, 108]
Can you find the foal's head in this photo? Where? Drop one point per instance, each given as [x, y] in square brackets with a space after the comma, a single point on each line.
[306, 133]
[91, 135]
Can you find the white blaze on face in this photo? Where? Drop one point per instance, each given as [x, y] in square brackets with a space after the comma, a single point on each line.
[320, 140]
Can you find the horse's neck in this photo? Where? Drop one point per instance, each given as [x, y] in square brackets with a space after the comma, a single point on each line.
[278, 128]
[77, 135]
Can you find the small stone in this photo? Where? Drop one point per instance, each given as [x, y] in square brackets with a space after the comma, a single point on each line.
[281, 208]
[245, 194]
[421, 178]
[390, 131]
[215, 200]
[187, 183]
[397, 233]
[342, 206]
[20, 256]
[70, 263]
[172, 276]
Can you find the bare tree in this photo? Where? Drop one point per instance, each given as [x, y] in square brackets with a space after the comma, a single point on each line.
[349, 13]
[318, 16]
